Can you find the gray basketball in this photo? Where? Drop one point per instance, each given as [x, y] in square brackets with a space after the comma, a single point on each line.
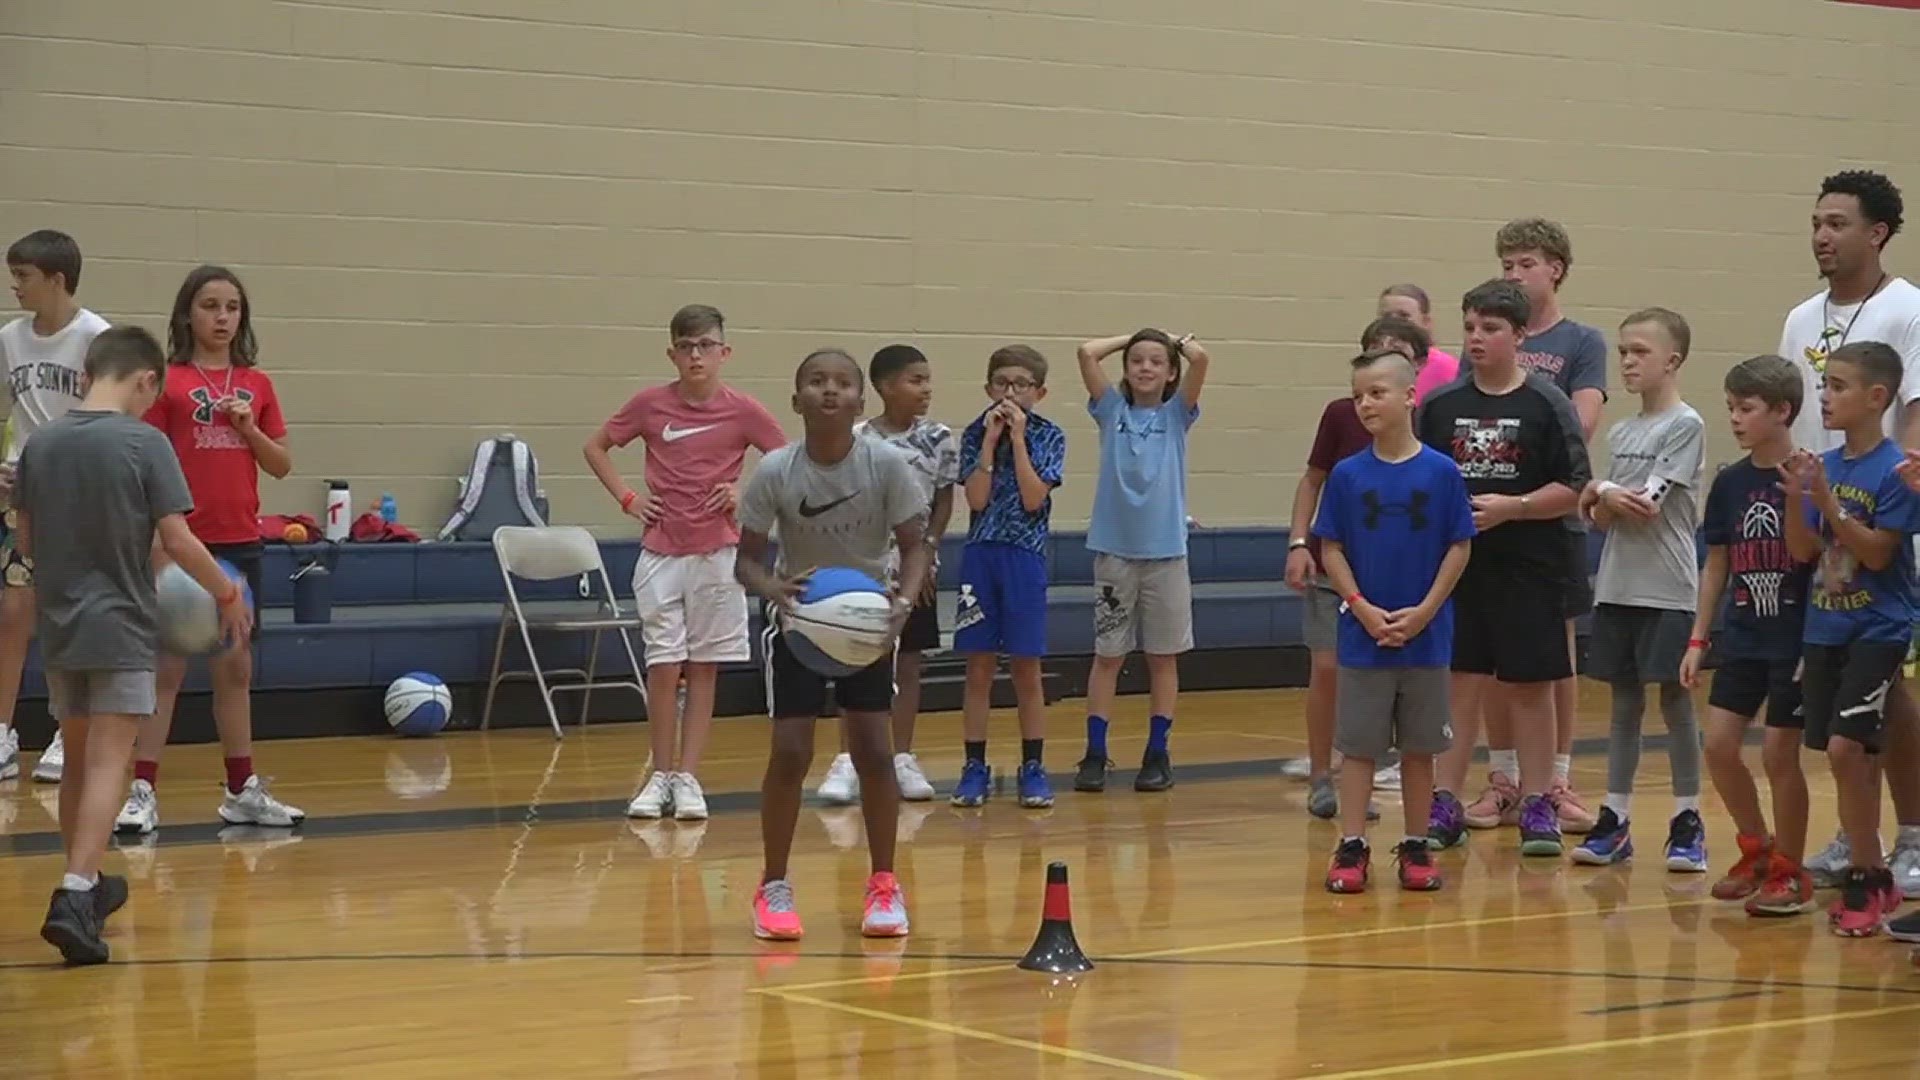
[189, 618]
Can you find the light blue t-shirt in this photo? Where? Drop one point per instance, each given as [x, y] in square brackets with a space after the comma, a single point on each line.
[1140, 501]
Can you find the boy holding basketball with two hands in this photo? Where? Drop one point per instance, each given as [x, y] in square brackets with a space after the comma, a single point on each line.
[105, 488]
[840, 500]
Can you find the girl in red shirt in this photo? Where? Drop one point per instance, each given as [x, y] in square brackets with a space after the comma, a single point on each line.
[221, 414]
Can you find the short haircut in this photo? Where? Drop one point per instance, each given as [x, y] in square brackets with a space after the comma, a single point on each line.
[829, 353]
[1772, 380]
[1165, 341]
[1393, 326]
[892, 360]
[1404, 371]
[1876, 360]
[1674, 323]
[1025, 357]
[1412, 292]
[1501, 299]
[1549, 238]
[1880, 201]
[121, 352]
[694, 318]
[50, 252]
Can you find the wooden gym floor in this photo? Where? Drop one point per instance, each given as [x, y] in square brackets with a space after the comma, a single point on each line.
[476, 905]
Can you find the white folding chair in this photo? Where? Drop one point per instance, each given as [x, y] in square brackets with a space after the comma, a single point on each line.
[549, 554]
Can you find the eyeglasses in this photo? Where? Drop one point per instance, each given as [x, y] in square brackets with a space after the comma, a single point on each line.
[1017, 386]
[697, 348]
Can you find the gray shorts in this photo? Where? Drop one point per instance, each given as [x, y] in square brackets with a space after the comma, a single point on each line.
[1148, 601]
[1636, 646]
[1321, 618]
[1409, 709]
[100, 693]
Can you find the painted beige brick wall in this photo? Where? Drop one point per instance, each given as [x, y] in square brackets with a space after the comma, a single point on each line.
[459, 217]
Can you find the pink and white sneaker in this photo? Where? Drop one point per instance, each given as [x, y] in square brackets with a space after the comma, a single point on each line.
[886, 910]
[775, 918]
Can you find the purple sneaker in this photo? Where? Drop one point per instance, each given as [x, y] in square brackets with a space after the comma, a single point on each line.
[1446, 822]
[1539, 827]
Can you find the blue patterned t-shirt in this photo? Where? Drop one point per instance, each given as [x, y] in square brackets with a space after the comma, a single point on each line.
[1005, 520]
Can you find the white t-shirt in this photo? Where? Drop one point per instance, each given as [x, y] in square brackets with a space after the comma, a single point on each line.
[1816, 328]
[44, 373]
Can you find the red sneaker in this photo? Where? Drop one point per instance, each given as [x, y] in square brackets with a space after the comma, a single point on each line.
[1862, 907]
[1750, 872]
[1348, 871]
[1788, 890]
[1417, 872]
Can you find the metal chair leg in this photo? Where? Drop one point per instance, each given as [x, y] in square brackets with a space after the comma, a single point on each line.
[493, 677]
[593, 665]
[540, 678]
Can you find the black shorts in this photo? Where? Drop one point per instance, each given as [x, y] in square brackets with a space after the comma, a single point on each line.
[1578, 590]
[247, 559]
[1741, 686]
[794, 690]
[922, 631]
[1510, 624]
[1637, 646]
[1845, 691]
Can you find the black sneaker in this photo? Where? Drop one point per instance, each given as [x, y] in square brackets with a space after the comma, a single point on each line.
[73, 927]
[1091, 773]
[109, 895]
[1156, 772]
[1905, 928]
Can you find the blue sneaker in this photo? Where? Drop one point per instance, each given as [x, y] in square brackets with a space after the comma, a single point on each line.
[1608, 843]
[976, 783]
[1687, 844]
[1036, 791]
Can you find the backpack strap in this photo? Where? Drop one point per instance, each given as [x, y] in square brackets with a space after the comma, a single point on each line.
[525, 476]
[471, 489]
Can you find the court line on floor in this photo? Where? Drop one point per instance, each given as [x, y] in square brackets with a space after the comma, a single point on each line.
[1085, 1057]
[1670, 1003]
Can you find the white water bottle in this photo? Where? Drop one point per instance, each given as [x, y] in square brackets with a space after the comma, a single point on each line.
[339, 510]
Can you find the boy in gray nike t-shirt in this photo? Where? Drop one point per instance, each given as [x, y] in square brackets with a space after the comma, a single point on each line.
[836, 500]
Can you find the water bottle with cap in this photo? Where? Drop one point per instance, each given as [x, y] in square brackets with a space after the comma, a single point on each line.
[339, 510]
[389, 511]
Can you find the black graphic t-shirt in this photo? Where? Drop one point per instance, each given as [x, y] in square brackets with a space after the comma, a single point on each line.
[1766, 589]
[1510, 444]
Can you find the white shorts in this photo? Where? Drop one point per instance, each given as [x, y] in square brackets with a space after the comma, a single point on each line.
[691, 608]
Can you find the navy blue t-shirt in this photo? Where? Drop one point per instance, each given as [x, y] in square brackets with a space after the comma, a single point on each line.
[1394, 522]
[1767, 590]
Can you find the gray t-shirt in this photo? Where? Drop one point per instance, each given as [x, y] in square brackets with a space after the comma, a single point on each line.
[1572, 356]
[94, 486]
[1655, 565]
[832, 515]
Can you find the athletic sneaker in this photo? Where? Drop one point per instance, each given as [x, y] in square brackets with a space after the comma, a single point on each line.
[109, 896]
[1348, 871]
[1687, 843]
[1831, 863]
[886, 910]
[1905, 864]
[1610, 841]
[1323, 801]
[73, 927]
[1905, 928]
[1749, 873]
[1446, 822]
[655, 797]
[1156, 771]
[689, 801]
[775, 918]
[914, 786]
[53, 761]
[1036, 791]
[1387, 778]
[1862, 906]
[9, 754]
[1788, 890]
[1091, 773]
[1498, 805]
[976, 783]
[1539, 827]
[1297, 768]
[141, 812]
[1415, 864]
[842, 785]
[254, 805]
[1568, 806]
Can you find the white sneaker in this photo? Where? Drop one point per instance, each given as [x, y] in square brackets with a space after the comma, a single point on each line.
[1830, 864]
[141, 814]
[842, 785]
[1387, 779]
[53, 761]
[913, 783]
[1298, 768]
[655, 797]
[1905, 864]
[255, 806]
[9, 754]
[689, 802]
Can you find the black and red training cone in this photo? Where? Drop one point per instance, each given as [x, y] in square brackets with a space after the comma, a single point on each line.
[1055, 950]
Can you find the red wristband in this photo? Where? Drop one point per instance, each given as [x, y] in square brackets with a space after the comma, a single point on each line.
[233, 596]
[1697, 643]
[626, 501]
[1354, 599]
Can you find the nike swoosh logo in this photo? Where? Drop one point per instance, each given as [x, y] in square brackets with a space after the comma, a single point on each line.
[815, 511]
[671, 435]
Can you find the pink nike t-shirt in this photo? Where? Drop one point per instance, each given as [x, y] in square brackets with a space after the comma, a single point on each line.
[693, 447]
[1440, 369]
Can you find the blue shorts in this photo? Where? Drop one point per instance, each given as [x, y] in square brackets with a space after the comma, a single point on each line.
[1003, 601]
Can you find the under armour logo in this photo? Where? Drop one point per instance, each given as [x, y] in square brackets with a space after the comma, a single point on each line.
[1415, 508]
[205, 400]
[1107, 599]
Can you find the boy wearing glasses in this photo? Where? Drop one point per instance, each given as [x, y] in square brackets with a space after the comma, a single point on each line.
[1010, 462]
[696, 431]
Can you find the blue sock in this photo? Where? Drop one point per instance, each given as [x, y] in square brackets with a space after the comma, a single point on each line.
[1157, 729]
[1096, 736]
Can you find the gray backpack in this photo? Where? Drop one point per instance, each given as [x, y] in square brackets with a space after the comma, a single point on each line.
[501, 488]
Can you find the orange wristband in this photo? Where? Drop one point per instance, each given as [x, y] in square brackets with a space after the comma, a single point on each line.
[1354, 599]
[626, 501]
[1697, 643]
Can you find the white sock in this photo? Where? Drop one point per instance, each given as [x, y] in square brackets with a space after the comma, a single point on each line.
[75, 883]
[1619, 804]
[1909, 834]
[1345, 840]
[1684, 803]
[1563, 768]
[1505, 761]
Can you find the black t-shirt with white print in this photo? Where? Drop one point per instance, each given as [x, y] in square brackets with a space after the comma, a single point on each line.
[1766, 589]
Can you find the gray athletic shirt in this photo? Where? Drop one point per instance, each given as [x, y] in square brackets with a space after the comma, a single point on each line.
[832, 515]
[94, 486]
[1654, 565]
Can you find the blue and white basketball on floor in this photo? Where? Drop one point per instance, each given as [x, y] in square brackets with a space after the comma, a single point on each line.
[189, 615]
[839, 625]
[418, 705]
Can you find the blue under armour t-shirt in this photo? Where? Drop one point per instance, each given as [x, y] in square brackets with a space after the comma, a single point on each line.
[1394, 521]
[1848, 602]
[1140, 499]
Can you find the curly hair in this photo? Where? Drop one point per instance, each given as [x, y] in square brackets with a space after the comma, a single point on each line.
[1879, 200]
[1549, 238]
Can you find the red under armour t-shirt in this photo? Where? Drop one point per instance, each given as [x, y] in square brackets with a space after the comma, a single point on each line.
[693, 447]
[220, 467]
